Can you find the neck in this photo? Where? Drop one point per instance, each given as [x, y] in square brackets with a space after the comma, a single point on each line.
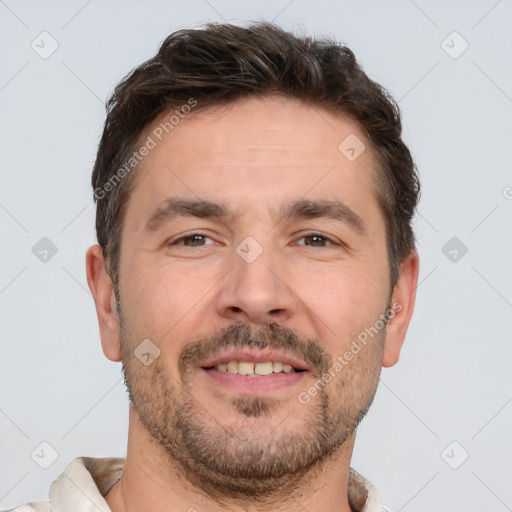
[152, 482]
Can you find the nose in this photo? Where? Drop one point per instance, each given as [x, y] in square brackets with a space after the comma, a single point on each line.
[256, 292]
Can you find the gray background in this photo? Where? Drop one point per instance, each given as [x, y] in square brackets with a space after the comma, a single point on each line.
[453, 381]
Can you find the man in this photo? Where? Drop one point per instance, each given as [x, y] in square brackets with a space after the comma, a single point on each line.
[255, 270]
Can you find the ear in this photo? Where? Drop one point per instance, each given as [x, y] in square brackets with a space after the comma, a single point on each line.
[104, 299]
[404, 296]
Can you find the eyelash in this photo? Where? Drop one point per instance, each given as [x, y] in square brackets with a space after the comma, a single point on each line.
[329, 240]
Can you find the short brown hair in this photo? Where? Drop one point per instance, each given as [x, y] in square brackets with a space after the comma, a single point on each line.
[223, 63]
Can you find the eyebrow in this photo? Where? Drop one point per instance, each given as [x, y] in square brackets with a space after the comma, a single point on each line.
[173, 207]
[328, 209]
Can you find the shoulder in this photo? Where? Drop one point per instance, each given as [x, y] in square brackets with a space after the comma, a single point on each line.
[85, 479]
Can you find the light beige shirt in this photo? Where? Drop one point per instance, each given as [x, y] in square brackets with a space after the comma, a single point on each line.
[82, 485]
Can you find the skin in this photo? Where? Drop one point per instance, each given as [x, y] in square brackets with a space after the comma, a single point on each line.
[252, 157]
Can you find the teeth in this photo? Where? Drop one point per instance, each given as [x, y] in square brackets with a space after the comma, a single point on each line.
[232, 367]
[277, 367]
[263, 368]
[246, 368]
[287, 368]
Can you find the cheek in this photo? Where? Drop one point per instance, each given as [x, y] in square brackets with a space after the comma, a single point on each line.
[350, 293]
[343, 305]
[165, 297]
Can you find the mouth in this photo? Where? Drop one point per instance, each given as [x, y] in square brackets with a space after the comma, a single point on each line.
[251, 373]
[251, 369]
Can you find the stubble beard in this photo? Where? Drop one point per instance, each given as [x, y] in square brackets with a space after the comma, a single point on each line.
[241, 461]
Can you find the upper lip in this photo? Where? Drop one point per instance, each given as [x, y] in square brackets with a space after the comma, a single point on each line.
[255, 356]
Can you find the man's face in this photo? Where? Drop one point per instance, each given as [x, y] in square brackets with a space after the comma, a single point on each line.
[272, 250]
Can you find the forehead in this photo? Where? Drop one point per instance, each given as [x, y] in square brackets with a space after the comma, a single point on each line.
[270, 127]
[256, 151]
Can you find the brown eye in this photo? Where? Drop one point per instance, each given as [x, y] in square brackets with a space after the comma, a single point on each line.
[316, 240]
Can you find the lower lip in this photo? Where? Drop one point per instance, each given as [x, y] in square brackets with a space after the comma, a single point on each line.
[254, 385]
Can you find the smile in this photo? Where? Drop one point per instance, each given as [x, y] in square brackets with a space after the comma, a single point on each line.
[251, 369]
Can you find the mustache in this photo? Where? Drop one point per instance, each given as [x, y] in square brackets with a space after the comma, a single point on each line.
[272, 336]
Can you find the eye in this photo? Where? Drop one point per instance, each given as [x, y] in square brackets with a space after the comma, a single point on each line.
[316, 240]
[194, 240]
